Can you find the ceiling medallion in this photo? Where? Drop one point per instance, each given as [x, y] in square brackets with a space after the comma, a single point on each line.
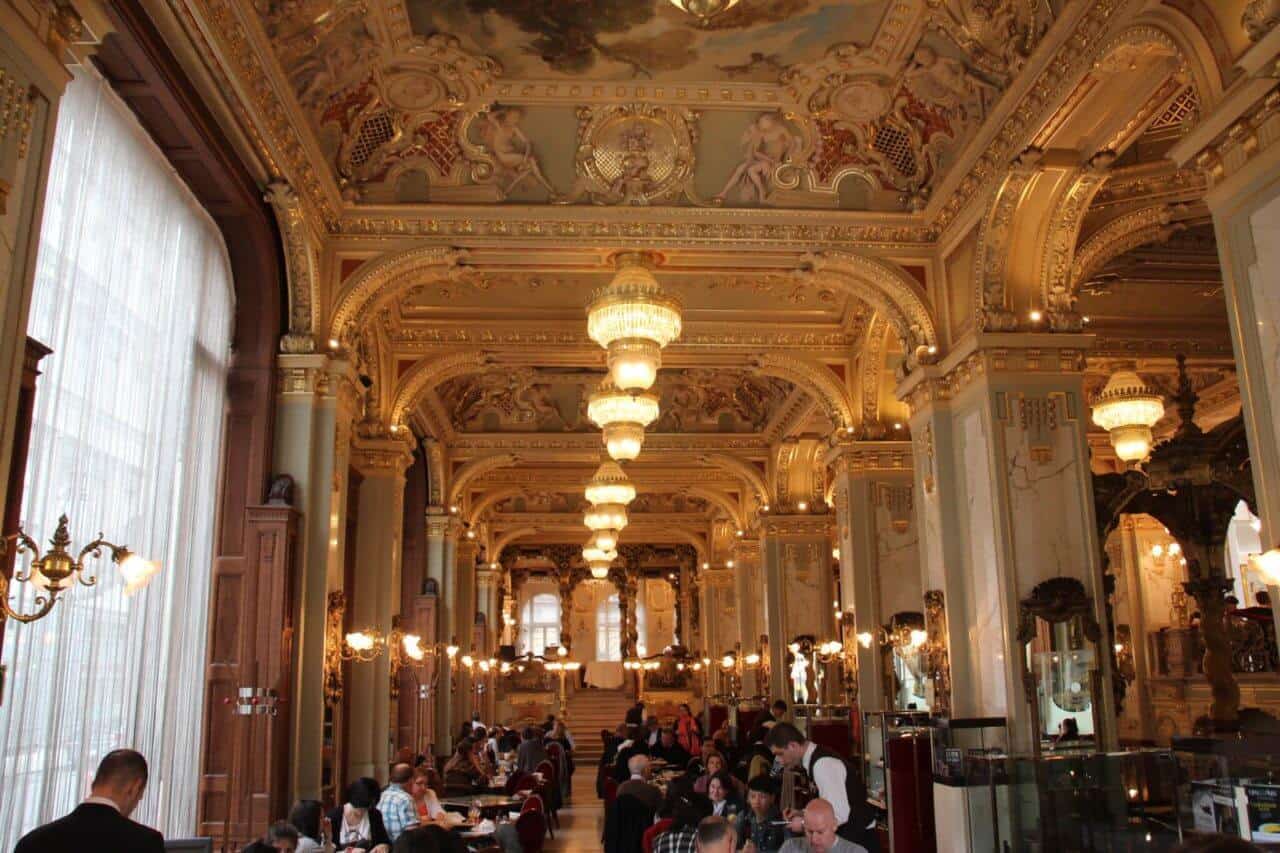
[704, 10]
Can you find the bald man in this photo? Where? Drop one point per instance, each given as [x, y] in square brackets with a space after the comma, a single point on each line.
[638, 785]
[820, 833]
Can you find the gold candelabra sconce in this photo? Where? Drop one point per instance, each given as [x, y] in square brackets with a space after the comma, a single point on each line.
[1124, 654]
[935, 652]
[56, 570]
[735, 665]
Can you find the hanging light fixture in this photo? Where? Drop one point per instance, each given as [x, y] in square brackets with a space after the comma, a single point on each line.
[622, 417]
[599, 569]
[606, 517]
[605, 539]
[593, 553]
[1127, 409]
[633, 319]
[704, 10]
[609, 485]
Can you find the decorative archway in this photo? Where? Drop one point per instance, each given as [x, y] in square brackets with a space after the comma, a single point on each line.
[380, 280]
[430, 371]
[750, 475]
[887, 288]
[476, 468]
[815, 378]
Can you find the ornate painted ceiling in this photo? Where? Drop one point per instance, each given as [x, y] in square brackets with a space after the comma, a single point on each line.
[851, 104]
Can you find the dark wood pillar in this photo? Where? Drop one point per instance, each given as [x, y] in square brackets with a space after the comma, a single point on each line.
[413, 577]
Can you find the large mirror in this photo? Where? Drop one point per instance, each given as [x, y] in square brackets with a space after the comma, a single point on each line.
[907, 683]
[1060, 664]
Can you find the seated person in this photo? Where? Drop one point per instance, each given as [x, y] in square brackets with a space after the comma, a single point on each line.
[429, 839]
[461, 773]
[532, 751]
[638, 785]
[425, 800]
[281, 837]
[760, 826]
[820, 833]
[314, 831]
[724, 799]
[357, 823]
[687, 811]
[716, 835]
[669, 751]
[633, 745]
[714, 764]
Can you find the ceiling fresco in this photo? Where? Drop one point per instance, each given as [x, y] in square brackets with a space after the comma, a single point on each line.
[647, 39]
[835, 104]
[692, 400]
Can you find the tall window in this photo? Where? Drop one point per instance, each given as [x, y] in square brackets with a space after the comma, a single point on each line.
[540, 623]
[133, 292]
[609, 629]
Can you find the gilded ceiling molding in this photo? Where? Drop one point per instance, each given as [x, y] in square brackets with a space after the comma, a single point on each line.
[814, 377]
[302, 269]
[489, 499]
[475, 468]
[720, 499]
[434, 451]
[429, 372]
[991, 311]
[748, 472]
[1056, 293]
[381, 280]
[513, 536]
[1153, 224]
[887, 288]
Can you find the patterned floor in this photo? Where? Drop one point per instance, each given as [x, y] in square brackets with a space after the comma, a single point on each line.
[581, 819]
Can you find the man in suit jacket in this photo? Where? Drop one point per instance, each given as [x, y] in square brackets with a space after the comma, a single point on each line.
[101, 823]
[638, 785]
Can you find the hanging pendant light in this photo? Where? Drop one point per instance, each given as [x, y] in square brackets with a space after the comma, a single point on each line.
[606, 539]
[609, 485]
[622, 417]
[593, 554]
[606, 517]
[599, 569]
[704, 10]
[1127, 409]
[633, 319]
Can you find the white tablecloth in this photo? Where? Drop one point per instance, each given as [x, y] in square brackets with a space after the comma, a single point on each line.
[605, 673]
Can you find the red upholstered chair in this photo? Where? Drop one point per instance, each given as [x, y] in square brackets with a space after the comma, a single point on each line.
[550, 790]
[651, 834]
[531, 829]
[533, 803]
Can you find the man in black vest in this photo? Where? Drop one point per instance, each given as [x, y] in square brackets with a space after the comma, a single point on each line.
[101, 823]
[855, 820]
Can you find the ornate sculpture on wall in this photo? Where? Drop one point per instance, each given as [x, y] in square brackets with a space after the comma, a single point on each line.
[767, 144]
[636, 154]
[507, 158]
[997, 36]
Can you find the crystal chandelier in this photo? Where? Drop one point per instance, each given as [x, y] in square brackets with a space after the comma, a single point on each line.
[622, 416]
[1127, 409]
[704, 10]
[606, 517]
[633, 319]
[605, 539]
[609, 485]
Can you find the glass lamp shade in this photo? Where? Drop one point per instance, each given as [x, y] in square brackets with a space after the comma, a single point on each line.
[137, 572]
[704, 10]
[360, 641]
[623, 441]
[633, 305]
[605, 540]
[599, 569]
[413, 646]
[611, 405]
[592, 553]
[633, 363]
[606, 517]
[610, 485]
[1128, 409]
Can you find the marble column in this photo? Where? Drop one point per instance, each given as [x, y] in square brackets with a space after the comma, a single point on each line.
[746, 574]
[317, 400]
[1004, 501]
[440, 573]
[488, 583]
[464, 623]
[1237, 146]
[879, 549]
[796, 553]
[375, 599]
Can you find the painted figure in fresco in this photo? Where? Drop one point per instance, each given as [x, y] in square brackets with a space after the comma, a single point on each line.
[946, 83]
[513, 155]
[766, 144]
[338, 62]
[800, 678]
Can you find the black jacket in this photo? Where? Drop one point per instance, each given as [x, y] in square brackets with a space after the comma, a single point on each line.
[376, 828]
[95, 827]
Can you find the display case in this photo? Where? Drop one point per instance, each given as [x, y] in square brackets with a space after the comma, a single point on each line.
[1230, 786]
[962, 787]
[898, 762]
[1078, 801]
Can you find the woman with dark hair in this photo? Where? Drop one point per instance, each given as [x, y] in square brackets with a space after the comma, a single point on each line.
[314, 831]
[725, 801]
[357, 823]
[688, 730]
[460, 772]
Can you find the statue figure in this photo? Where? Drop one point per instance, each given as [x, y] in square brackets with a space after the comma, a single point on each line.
[766, 144]
[800, 677]
[513, 156]
[946, 83]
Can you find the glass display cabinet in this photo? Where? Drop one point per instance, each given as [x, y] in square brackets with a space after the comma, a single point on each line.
[962, 787]
[1083, 802]
[1230, 787]
[898, 761]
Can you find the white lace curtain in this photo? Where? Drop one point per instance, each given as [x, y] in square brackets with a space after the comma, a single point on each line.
[133, 292]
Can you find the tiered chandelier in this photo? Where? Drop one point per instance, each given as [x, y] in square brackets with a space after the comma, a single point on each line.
[1127, 409]
[633, 319]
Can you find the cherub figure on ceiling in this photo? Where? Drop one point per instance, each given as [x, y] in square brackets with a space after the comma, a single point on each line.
[514, 160]
[766, 144]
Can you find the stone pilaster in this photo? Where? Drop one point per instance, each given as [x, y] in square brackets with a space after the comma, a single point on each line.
[317, 400]
[1003, 499]
[488, 585]
[796, 556]
[879, 550]
[439, 572]
[747, 584]
[464, 621]
[375, 599]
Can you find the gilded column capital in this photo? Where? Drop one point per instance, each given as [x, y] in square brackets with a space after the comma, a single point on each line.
[746, 552]
[381, 457]
[319, 375]
[815, 524]
[488, 579]
[718, 578]
[467, 550]
[988, 354]
[438, 522]
[847, 456]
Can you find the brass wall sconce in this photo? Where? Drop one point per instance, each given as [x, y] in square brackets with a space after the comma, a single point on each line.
[54, 571]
